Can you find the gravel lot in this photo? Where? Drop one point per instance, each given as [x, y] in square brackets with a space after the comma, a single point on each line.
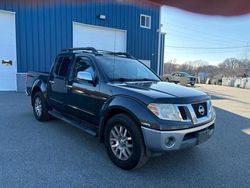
[54, 154]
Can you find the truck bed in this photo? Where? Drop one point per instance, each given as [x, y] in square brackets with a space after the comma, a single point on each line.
[35, 76]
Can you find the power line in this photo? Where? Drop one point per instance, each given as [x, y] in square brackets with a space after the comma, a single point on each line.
[203, 53]
[191, 37]
[219, 37]
[207, 48]
[184, 25]
[204, 35]
[200, 36]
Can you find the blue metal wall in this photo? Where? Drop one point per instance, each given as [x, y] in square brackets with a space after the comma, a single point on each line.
[44, 29]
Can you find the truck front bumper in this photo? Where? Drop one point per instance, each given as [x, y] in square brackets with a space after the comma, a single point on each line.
[160, 141]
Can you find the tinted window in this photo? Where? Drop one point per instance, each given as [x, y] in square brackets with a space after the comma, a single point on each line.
[62, 66]
[184, 74]
[83, 64]
[124, 68]
[58, 64]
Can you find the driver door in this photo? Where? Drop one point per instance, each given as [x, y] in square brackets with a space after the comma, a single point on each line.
[84, 99]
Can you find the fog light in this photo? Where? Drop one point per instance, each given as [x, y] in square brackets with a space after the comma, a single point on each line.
[170, 142]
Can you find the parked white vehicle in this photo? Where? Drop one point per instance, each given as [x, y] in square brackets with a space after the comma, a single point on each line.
[178, 76]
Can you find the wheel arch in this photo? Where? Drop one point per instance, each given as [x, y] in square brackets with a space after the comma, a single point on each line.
[120, 105]
[38, 86]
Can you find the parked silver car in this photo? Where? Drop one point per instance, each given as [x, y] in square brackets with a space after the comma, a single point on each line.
[177, 76]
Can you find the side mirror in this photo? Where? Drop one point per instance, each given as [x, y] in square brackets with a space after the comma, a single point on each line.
[83, 75]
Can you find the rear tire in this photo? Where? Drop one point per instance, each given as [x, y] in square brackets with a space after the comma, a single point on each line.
[124, 142]
[40, 107]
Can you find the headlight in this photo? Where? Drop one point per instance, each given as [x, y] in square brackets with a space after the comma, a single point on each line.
[165, 111]
[211, 111]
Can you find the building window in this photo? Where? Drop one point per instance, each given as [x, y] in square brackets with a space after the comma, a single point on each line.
[145, 21]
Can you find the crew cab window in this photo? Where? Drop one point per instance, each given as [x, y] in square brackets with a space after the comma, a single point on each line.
[62, 66]
[83, 64]
[57, 65]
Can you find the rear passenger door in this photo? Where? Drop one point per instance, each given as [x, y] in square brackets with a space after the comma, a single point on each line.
[57, 90]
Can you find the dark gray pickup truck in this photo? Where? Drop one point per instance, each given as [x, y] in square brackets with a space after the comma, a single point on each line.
[126, 105]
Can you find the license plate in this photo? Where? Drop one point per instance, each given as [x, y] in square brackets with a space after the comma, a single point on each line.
[203, 136]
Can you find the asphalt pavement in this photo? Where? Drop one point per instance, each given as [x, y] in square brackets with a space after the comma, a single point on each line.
[54, 154]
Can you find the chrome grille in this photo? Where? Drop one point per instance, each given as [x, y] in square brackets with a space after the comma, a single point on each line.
[200, 109]
[190, 112]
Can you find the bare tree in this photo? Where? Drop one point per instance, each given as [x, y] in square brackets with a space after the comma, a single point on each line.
[230, 67]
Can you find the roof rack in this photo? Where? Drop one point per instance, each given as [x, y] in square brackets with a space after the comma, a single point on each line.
[98, 52]
[92, 50]
[116, 53]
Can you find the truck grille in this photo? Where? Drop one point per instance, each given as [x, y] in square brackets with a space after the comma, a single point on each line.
[196, 112]
[183, 112]
[200, 109]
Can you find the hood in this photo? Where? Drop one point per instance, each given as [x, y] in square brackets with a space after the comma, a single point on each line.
[164, 91]
[191, 77]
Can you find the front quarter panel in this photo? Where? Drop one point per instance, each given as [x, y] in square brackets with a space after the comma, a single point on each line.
[136, 109]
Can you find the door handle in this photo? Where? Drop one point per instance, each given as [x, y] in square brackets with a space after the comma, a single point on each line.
[51, 82]
[69, 86]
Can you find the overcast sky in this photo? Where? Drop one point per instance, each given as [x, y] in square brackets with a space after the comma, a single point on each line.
[211, 38]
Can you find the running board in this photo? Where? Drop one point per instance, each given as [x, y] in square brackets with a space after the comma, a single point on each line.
[76, 122]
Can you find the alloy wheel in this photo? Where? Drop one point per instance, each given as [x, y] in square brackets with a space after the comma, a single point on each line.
[38, 107]
[121, 142]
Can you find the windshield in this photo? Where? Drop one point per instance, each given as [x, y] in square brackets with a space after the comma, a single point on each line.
[124, 69]
[185, 74]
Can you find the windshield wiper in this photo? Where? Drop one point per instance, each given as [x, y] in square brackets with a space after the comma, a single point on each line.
[146, 79]
[121, 79]
[129, 79]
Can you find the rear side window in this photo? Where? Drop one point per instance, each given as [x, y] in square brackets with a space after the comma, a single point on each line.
[62, 66]
[58, 64]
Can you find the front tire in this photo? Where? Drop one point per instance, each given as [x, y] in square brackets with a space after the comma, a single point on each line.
[124, 142]
[40, 107]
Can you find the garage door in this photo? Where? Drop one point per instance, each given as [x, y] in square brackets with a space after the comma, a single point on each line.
[8, 66]
[101, 38]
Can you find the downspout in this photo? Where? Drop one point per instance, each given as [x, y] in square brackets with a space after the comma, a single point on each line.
[159, 44]
[163, 35]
